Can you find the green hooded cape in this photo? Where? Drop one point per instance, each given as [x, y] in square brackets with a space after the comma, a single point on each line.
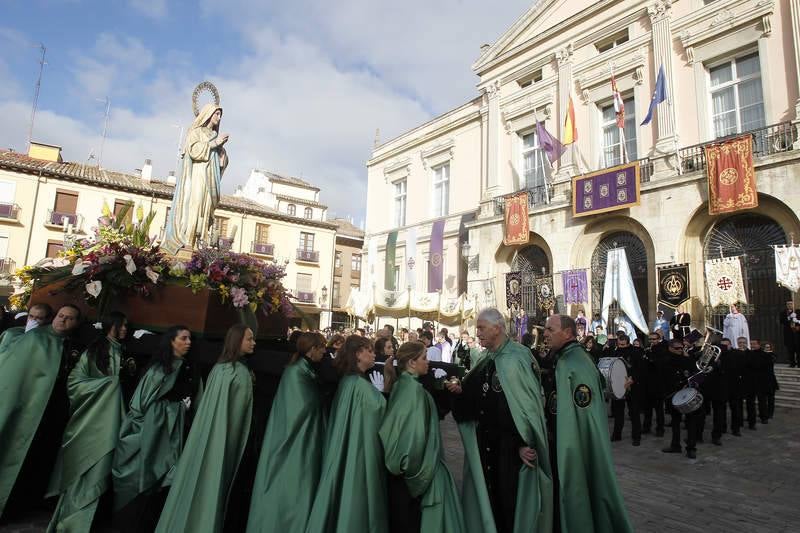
[151, 437]
[199, 494]
[10, 335]
[534, 510]
[83, 468]
[352, 491]
[28, 370]
[589, 494]
[413, 448]
[291, 456]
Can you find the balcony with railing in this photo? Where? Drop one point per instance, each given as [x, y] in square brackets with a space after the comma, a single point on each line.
[337, 271]
[768, 140]
[262, 248]
[305, 297]
[308, 256]
[225, 243]
[355, 274]
[56, 218]
[9, 212]
[7, 266]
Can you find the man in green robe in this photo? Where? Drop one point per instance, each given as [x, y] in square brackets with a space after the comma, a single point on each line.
[198, 496]
[587, 495]
[507, 485]
[34, 408]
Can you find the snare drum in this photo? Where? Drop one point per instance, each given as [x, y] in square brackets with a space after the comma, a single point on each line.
[615, 373]
[687, 400]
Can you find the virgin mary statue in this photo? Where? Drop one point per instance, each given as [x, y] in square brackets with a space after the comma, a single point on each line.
[197, 191]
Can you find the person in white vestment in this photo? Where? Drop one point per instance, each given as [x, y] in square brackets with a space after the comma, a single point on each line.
[735, 326]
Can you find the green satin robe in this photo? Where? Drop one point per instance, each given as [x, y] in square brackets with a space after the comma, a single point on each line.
[28, 370]
[10, 335]
[352, 493]
[206, 469]
[291, 456]
[412, 446]
[534, 509]
[83, 467]
[589, 494]
[151, 437]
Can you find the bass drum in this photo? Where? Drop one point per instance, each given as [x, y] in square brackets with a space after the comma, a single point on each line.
[687, 400]
[615, 373]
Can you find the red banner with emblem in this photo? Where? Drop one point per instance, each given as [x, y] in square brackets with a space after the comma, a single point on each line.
[731, 176]
[517, 225]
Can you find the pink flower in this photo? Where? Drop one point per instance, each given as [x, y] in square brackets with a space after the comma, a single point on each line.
[239, 297]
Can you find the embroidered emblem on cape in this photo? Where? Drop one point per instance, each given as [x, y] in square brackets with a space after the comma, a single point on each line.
[582, 395]
[485, 387]
[496, 383]
[551, 403]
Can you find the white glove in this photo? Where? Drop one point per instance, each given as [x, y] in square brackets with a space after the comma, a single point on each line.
[98, 325]
[139, 333]
[439, 373]
[187, 402]
[377, 380]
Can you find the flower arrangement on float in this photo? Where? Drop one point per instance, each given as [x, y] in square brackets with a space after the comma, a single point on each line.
[120, 258]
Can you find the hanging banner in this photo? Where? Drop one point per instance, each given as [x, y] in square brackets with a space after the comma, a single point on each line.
[516, 217]
[619, 288]
[724, 281]
[731, 176]
[673, 285]
[575, 287]
[514, 291]
[606, 190]
[544, 292]
[787, 267]
[389, 281]
[435, 259]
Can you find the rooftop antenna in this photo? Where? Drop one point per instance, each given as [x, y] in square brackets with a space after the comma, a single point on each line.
[36, 93]
[105, 130]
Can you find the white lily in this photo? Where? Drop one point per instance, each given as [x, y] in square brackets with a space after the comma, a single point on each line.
[130, 266]
[151, 274]
[60, 262]
[94, 288]
[79, 268]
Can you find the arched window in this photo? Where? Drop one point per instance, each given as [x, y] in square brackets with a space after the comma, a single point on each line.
[308, 213]
[291, 209]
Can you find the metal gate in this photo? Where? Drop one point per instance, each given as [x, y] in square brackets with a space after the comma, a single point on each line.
[637, 261]
[533, 265]
[751, 237]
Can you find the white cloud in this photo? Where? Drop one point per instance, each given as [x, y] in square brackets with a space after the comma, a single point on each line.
[155, 9]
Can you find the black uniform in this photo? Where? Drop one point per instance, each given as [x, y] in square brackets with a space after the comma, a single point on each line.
[679, 325]
[636, 395]
[758, 365]
[715, 398]
[655, 358]
[680, 368]
[461, 351]
[733, 363]
[483, 401]
[789, 336]
[773, 386]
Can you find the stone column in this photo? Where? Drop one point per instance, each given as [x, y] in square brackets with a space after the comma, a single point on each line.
[660, 13]
[567, 168]
[794, 8]
[495, 131]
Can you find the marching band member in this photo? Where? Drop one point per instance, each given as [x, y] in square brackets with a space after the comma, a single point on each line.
[680, 367]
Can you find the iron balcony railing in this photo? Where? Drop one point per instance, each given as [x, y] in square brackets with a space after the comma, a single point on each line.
[305, 297]
[537, 196]
[56, 218]
[355, 274]
[310, 256]
[262, 248]
[7, 265]
[768, 140]
[9, 211]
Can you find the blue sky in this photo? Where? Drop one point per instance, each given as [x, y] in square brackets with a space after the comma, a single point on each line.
[304, 83]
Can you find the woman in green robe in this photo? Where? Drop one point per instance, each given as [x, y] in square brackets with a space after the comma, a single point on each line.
[291, 456]
[352, 490]
[83, 468]
[412, 447]
[206, 469]
[153, 433]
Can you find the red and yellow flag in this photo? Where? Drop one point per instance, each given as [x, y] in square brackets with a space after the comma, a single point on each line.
[570, 129]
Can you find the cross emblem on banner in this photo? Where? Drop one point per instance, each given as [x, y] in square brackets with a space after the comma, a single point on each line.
[725, 283]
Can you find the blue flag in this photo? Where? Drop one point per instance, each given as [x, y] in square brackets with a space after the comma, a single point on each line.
[552, 148]
[659, 95]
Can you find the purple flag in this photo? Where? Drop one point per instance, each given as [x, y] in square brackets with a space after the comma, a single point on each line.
[575, 287]
[435, 260]
[549, 144]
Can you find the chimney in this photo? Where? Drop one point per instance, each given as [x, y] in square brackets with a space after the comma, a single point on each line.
[171, 180]
[46, 152]
[147, 170]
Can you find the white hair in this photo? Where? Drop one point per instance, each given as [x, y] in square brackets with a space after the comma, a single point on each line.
[493, 317]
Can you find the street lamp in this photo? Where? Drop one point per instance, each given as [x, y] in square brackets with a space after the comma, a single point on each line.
[323, 296]
[472, 261]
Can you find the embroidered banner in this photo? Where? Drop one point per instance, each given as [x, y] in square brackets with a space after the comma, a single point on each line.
[514, 291]
[516, 217]
[731, 176]
[724, 281]
[787, 267]
[673, 285]
[435, 258]
[575, 287]
[606, 190]
[545, 295]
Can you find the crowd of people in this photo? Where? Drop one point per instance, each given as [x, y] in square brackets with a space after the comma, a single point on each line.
[365, 455]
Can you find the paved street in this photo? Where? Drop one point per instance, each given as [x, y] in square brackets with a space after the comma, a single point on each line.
[745, 485]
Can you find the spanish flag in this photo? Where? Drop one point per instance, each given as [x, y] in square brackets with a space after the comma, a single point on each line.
[570, 130]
